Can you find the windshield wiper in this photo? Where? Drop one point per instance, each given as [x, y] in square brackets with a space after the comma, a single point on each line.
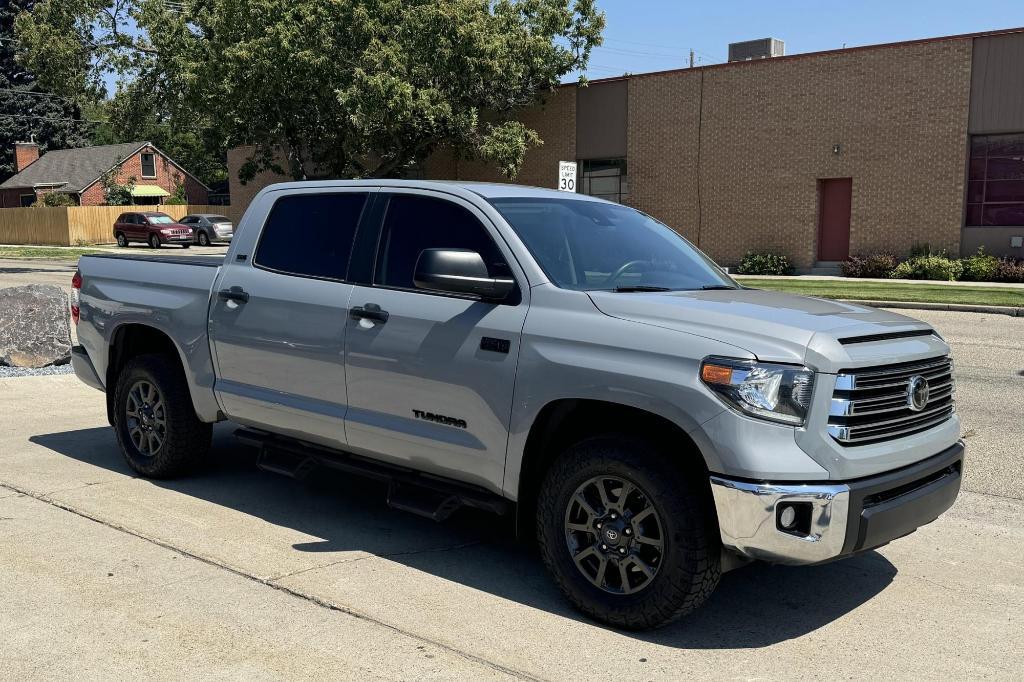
[639, 287]
[716, 287]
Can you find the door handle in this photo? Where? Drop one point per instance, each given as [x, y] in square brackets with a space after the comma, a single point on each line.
[370, 311]
[236, 294]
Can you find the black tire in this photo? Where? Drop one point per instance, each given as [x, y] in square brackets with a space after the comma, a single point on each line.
[154, 241]
[185, 440]
[185, 246]
[204, 239]
[122, 240]
[689, 563]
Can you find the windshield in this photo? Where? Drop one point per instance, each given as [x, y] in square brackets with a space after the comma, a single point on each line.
[588, 246]
[160, 219]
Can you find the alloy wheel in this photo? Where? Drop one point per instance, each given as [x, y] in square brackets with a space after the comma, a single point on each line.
[614, 534]
[146, 418]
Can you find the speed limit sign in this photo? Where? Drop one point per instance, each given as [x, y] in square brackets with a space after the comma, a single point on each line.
[567, 176]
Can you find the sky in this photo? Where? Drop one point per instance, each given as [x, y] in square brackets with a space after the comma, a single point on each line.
[653, 35]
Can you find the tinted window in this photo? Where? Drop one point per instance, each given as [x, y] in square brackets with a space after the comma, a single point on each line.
[310, 234]
[188, 220]
[415, 223]
[595, 245]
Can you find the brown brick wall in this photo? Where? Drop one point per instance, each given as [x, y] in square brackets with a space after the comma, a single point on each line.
[555, 122]
[661, 163]
[167, 177]
[11, 198]
[767, 131]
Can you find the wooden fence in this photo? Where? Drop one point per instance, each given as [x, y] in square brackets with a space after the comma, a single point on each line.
[68, 226]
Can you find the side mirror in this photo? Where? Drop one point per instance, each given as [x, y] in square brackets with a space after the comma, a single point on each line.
[459, 271]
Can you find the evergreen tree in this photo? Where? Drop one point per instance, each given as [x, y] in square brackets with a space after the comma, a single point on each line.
[26, 112]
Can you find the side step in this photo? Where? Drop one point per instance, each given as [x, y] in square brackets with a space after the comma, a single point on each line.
[433, 497]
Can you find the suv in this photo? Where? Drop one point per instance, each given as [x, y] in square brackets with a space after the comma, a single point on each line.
[151, 227]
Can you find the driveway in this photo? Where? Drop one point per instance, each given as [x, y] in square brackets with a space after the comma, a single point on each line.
[241, 574]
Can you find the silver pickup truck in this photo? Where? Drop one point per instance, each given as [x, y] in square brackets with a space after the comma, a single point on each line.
[553, 356]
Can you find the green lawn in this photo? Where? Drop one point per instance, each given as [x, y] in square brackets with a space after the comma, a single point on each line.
[47, 252]
[896, 291]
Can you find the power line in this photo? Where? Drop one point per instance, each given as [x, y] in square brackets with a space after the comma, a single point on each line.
[36, 94]
[52, 119]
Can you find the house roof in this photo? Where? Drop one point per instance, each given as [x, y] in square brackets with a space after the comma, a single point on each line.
[73, 170]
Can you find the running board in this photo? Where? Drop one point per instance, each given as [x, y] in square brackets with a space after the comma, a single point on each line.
[433, 497]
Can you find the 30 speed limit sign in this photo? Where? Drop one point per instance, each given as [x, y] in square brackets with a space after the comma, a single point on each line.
[567, 176]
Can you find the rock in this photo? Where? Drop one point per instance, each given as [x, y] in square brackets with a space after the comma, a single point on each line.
[34, 326]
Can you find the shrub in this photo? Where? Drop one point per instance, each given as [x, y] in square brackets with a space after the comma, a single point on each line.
[175, 201]
[1009, 270]
[980, 267]
[55, 200]
[764, 264]
[929, 267]
[872, 265]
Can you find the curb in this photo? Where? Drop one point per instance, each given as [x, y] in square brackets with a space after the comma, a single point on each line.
[954, 307]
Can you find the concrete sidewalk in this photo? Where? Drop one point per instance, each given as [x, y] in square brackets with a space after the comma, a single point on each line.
[237, 573]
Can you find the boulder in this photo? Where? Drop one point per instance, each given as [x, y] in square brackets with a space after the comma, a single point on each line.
[34, 326]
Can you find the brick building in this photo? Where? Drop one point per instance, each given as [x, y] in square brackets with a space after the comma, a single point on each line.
[78, 173]
[817, 156]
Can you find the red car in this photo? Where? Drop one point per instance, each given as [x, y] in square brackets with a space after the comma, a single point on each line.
[151, 227]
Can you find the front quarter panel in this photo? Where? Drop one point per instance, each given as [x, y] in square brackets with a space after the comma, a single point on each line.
[571, 350]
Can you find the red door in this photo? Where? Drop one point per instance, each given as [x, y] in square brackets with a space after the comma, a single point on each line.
[834, 219]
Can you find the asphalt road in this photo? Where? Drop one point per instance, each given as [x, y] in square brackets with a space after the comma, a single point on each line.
[235, 573]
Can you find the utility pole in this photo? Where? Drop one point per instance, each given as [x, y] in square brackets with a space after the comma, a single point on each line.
[691, 57]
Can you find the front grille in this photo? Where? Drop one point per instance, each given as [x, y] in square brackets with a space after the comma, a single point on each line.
[873, 404]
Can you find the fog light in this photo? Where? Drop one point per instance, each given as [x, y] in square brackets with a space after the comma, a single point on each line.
[787, 517]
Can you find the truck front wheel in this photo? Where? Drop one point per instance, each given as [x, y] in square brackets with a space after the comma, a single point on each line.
[156, 425]
[628, 533]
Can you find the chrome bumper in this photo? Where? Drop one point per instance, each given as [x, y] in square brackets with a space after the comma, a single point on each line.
[842, 518]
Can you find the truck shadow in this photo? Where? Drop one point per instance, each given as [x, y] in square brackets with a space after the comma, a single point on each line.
[755, 606]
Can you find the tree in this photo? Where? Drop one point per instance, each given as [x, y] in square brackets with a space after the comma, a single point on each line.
[26, 111]
[115, 193]
[347, 88]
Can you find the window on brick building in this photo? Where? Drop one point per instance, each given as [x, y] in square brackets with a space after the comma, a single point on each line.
[604, 178]
[995, 181]
[149, 165]
[27, 200]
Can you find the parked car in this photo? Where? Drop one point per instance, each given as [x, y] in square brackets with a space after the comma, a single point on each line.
[574, 362]
[152, 227]
[209, 228]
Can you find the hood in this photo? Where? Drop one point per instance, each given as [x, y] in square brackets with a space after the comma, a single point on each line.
[770, 325]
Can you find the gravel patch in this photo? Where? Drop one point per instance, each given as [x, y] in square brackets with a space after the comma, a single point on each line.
[7, 372]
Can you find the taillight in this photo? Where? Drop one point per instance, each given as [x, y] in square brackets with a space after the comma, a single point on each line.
[76, 293]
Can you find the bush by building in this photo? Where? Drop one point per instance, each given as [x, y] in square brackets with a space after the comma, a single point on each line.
[935, 267]
[1009, 270]
[876, 265]
[981, 267]
[765, 264]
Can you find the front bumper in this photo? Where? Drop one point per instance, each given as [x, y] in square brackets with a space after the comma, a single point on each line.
[835, 519]
[176, 238]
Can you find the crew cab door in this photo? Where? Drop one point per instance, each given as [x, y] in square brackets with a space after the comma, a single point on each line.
[430, 375]
[278, 316]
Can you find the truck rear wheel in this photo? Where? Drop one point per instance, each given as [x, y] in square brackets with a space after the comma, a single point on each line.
[156, 425]
[629, 535]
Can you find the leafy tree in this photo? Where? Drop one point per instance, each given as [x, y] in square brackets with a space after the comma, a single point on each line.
[26, 111]
[349, 88]
[115, 193]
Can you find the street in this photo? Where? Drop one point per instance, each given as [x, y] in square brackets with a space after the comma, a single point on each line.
[237, 573]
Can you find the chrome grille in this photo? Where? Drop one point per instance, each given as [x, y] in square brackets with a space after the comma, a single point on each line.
[873, 404]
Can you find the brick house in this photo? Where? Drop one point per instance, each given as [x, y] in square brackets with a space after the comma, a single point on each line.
[817, 156]
[78, 173]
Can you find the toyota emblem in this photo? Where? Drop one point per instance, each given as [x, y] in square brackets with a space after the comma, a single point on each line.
[917, 393]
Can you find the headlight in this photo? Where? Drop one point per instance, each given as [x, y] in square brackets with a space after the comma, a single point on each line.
[166, 231]
[780, 393]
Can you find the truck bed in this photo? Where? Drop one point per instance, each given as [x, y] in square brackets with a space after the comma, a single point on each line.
[170, 294]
